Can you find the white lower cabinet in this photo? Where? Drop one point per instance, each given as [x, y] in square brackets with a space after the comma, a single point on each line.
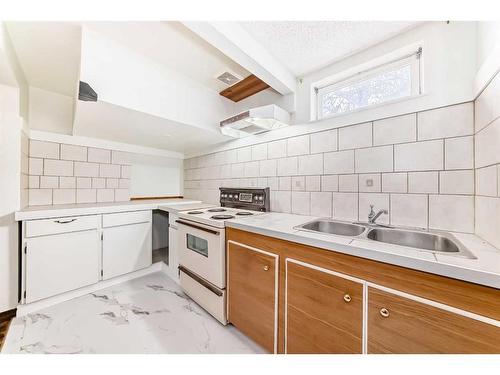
[61, 262]
[127, 248]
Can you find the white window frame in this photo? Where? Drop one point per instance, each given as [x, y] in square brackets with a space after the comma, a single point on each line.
[414, 60]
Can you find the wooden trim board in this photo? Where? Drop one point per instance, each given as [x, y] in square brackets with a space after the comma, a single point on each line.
[249, 86]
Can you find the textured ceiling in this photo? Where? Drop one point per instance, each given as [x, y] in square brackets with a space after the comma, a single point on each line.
[304, 47]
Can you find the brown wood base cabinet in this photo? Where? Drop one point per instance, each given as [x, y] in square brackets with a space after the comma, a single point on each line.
[293, 298]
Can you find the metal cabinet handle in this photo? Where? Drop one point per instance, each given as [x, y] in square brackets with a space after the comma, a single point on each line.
[384, 312]
[266, 268]
[64, 222]
[347, 298]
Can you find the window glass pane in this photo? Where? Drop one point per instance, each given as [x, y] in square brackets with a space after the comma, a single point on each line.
[383, 87]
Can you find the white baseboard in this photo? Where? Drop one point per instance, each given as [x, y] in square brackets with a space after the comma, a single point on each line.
[28, 308]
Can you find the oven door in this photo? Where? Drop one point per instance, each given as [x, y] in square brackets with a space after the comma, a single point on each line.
[202, 251]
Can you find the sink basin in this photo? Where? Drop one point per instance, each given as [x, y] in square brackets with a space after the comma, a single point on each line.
[427, 241]
[333, 227]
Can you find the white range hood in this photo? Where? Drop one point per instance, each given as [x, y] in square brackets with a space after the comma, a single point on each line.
[255, 121]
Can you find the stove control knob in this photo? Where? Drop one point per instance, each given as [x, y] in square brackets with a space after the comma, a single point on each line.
[230, 196]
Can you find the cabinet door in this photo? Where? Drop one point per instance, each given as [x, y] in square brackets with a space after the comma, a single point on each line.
[402, 325]
[126, 249]
[61, 262]
[253, 293]
[323, 310]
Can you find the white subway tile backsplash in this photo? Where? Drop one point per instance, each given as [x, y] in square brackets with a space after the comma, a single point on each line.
[122, 195]
[83, 183]
[67, 182]
[120, 157]
[288, 166]
[419, 156]
[313, 183]
[57, 167]
[487, 105]
[244, 154]
[423, 182]
[72, 152]
[35, 166]
[301, 203]
[281, 201]
[355, 136]
[238, 170]
[125, 183]
[86, 196]
[298, 145]
[49, 182]
[394, 130]
[86, 169]
[374, 159]
[105, 195]
[298, 183]
[34, 182]
[321, 204]
[451, 121]
[487, 144]
[487, 181]
[324, 141]
[42, 149]
[99, 155]
[276, 149]
[488, 219]
[259, 152]
[451, 212]
[395, 182]
[39, 197]
[409, 210]
[459, 153]
[252, 169]
[98, 183]
[64, 196]
[268, 168]
[112, 183]
[285, 183]
[310, 164]
[126, 171]
[345, 206]
[348, 183]
[370, 183]
[456, 182]
[339, 162]
[109, 170]
[330, 183]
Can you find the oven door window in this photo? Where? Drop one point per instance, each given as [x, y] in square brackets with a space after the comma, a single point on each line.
[197, 244]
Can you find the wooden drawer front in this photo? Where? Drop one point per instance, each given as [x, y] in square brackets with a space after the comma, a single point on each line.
[124, 218]
[252, 293]
[323, 311]
[61, 225]
[416, 327]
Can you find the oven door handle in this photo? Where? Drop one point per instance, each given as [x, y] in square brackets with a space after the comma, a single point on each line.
[201, 281]
[197, 227]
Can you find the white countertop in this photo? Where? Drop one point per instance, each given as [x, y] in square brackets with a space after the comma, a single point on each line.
[484, 270]
[62, 210]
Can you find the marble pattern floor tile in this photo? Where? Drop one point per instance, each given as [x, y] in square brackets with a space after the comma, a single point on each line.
[149, 314]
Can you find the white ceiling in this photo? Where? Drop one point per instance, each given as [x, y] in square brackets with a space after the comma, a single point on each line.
[304, 47]
[49, 54]
[173, 45]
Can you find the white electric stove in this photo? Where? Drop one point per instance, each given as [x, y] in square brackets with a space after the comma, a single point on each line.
[202, 247]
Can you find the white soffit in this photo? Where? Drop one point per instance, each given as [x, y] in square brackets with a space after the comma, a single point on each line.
[49, 53]
[112, 122]
[304, 47]
[173, 45]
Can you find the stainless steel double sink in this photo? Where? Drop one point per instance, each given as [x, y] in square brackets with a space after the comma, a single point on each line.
[431, 241]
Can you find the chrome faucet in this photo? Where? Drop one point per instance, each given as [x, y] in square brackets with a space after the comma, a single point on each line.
[372, 216]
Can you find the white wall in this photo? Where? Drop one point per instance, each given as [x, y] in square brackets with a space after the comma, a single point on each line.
[449, 58]
[50, 111]
[123, 77]
[488, 54]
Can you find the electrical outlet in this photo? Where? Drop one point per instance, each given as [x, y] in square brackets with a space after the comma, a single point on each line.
[369, 182]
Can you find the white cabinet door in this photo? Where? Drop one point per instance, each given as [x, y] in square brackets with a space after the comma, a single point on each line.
[126, 249]
[61, 262]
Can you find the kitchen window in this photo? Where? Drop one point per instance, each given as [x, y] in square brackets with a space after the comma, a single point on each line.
[385, 83]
